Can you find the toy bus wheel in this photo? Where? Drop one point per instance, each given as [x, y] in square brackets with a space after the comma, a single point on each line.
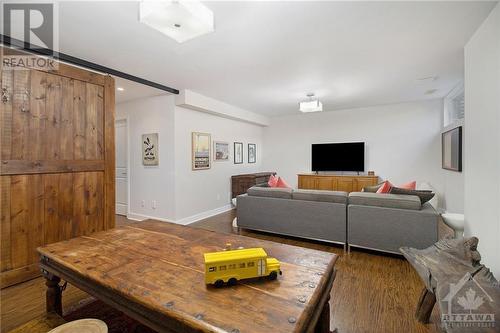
[218, 283]
[273, 276]
[232, 282]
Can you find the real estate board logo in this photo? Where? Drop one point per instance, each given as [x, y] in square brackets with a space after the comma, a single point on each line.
[30, 25]
[466, 304]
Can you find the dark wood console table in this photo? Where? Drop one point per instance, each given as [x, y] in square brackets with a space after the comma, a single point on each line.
[241, 183]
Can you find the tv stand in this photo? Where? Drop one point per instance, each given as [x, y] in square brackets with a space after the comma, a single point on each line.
[347, 183]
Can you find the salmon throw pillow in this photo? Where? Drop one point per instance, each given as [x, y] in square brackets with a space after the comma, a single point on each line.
[281, 183]
[273, 181]
[409, 186]
[385, 188]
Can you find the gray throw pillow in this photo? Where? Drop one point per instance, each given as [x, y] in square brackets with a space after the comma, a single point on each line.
[372, 189]
[424, 195]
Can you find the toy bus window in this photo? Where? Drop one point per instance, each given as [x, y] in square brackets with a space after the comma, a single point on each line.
[212, 269]
[222, 268]
[242, 265]
[232, 266]
[251, 264]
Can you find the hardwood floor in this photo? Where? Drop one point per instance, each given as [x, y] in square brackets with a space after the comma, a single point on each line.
[372, 292]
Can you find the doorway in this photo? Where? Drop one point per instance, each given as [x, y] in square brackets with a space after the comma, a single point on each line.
[121, 181]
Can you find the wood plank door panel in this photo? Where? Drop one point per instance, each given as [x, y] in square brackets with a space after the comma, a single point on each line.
[57, 162]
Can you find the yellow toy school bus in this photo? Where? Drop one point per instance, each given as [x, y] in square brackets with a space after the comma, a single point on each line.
[233, 265]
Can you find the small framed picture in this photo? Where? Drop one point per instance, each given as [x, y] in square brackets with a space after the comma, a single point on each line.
[238, 152]
[201, 151]
[252, 153]
[150, 149]
[451, 142]
[221, 150]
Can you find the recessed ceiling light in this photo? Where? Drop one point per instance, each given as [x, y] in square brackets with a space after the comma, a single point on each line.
[428, 78]
[181, 20]
[311, 105]
[120, 89]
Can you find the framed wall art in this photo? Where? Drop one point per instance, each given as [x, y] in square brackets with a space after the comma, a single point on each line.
[452, 149]
[150, 149]
[238, 152]
[252, 153]
[200, 151]
[221, 151]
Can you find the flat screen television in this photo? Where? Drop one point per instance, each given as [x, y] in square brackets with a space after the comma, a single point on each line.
[338, 156]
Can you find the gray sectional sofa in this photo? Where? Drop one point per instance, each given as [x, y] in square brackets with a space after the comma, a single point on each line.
[319, 215]
[383, 222]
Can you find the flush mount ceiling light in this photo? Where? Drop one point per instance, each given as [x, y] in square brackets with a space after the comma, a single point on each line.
[120, 89]
[311, 105]
[427, 79]
[180, 20]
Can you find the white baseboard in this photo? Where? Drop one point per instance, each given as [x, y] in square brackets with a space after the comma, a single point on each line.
[140, 217]
[204, 215]
[185, 220]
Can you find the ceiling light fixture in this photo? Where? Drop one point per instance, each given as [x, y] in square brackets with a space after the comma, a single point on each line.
[120, 89]
[180, 20]
[311, 105]
[428, 78]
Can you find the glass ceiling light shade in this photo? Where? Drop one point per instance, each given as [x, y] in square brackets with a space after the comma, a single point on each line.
[180, 20]
[311, 105]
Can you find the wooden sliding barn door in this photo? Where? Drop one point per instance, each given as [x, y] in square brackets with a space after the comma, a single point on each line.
[57, 162]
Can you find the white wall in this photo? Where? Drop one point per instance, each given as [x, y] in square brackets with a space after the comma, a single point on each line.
[403, 141]
[182, 195]
[209, 191]
[482, 142]
[148, 183]
[453, 181]
[453, 190]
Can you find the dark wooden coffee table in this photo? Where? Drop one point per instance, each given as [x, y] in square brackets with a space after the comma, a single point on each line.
[155, 274]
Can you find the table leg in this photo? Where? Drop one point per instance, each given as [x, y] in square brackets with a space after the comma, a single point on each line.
[53, 295]
[323, 324]
[425, 306]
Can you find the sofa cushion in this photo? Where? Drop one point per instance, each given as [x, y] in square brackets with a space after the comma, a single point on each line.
[385, 200]
[424, 195]
[324, 196]
[270, 192]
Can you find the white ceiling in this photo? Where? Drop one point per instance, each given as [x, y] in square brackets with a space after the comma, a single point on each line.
[265, 56]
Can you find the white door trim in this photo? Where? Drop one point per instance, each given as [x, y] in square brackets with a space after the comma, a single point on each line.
[126, 211]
